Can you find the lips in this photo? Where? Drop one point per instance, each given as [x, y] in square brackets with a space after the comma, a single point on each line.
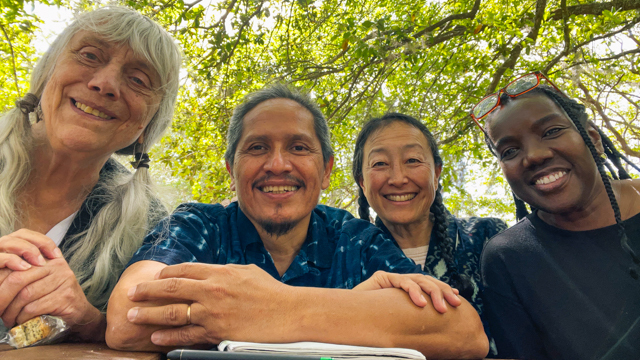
[281, 189]
[550, 178]
[89, 110]
[401, 197]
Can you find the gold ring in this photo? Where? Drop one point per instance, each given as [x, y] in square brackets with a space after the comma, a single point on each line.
[189, 315]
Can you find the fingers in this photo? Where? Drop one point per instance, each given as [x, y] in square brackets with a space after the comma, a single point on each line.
[182, 336]
[29, 294]
[167, 315]
[13, 262]
[30, 245]
[196, 271]
[16, 281]
[173, 288]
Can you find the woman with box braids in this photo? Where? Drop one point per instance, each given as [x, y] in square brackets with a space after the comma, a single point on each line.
[563, 282]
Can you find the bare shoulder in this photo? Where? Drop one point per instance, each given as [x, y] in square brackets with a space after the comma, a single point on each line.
[628, 196]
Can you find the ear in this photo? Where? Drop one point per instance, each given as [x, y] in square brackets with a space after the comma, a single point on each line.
[436, 178]
[326, 177]
[141, 138]
[233, 179]
[595, 138]
[361, 183]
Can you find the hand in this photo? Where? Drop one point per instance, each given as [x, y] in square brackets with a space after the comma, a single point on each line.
[416, 285]
[27, 245]
[51, 289]
[227, 302]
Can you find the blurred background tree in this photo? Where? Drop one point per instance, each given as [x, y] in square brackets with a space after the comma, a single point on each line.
[431, 59]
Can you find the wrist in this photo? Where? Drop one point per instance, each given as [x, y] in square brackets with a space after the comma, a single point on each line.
[91, 327]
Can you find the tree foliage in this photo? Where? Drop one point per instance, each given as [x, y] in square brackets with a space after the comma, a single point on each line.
[361, 58]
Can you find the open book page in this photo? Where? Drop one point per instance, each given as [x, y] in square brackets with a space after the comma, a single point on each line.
[323, 349]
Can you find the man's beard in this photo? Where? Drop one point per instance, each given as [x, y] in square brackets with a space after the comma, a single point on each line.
[277, 229]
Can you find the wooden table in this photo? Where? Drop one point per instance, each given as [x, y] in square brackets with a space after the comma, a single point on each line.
[73, 352]
[89, 351]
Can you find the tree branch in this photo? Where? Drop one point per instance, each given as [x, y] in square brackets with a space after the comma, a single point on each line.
[13, 59]
[515, 53]
[607, 121]
[597, 8]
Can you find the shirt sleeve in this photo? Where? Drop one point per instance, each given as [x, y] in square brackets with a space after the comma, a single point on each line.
[511, 326]
[187, 235]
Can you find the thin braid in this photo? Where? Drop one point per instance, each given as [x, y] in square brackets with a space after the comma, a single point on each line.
[614, 155]
[521, 208]
[447, 244]
[363, 205]
[624, 241]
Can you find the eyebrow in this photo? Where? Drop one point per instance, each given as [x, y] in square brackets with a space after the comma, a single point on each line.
[537, 124]
[264, 138]
[383, 150]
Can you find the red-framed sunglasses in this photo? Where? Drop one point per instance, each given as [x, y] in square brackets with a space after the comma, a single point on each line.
[517, 87]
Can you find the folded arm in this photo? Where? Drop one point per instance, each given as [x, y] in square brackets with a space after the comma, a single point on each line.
[240, 302]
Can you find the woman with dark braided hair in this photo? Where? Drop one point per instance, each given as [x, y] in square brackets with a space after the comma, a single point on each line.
[563, 282]
[397, 165]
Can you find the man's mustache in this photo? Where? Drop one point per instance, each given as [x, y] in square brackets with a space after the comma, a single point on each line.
[288, 177]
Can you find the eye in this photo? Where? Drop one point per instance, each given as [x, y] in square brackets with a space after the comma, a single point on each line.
[299, 148]
[378, 164]
[552, 131]
[89, 54]
[508, 153]
[413, 161]
[257, 147]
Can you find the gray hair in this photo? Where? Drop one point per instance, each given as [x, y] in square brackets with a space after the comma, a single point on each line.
[147, 40]
[278, 91]
[98, 254]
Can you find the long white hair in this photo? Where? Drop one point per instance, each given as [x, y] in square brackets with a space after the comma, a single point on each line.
[97, 255]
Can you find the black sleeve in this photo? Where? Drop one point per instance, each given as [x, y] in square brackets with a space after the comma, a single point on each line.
[511, 326]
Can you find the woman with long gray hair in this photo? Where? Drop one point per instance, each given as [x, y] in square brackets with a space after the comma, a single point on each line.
[70, 215]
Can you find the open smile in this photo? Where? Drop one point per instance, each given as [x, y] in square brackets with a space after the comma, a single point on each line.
[283, 189]
[89, 110]
[399, 198]
[551, 181]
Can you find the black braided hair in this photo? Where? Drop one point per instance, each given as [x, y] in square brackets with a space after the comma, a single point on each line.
[578, 115]
[461, 282]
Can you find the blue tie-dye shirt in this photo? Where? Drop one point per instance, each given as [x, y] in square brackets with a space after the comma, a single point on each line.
[339, 251]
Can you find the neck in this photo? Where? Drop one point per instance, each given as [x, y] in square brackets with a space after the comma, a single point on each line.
[57, 185]
[284, 248]
[411, 235]
[595, 214]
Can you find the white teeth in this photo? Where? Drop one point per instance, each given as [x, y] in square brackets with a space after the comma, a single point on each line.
[551, 178]
[92, 111]
[279, 189]
[404, 197]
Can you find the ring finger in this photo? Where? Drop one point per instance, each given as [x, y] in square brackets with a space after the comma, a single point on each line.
[168, 315]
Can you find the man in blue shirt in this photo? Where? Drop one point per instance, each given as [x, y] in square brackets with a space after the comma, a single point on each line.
[181, 288]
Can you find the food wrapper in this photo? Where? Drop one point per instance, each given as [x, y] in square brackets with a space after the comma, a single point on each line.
[41, 330]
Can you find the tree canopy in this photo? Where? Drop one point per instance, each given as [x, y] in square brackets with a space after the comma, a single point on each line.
[430, 59]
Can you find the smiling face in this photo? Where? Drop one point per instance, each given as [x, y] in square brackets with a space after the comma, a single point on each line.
[543, 157]
[399, 177]
[278, 171]
[99, 98]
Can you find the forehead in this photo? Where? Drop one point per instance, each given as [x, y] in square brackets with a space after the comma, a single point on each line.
[276, 118]
[519, 114]
[397, 134]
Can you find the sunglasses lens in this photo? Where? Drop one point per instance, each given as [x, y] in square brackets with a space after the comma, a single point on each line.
[522, 84]
[485, 106]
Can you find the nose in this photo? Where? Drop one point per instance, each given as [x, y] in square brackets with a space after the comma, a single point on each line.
[278, 162]
[106, 81]
[397, 177]
[536, 154]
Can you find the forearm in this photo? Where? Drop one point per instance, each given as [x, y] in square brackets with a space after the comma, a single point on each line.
[122, 334]
[91, 329]
[385, 318]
